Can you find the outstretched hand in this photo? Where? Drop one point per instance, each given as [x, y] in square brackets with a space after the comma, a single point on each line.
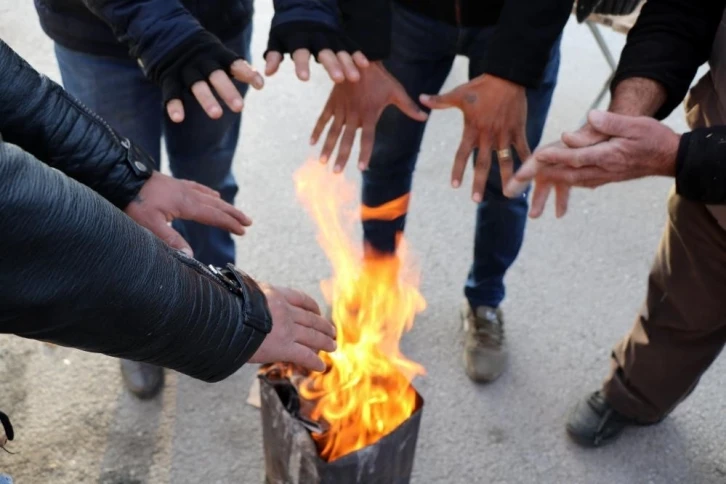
[163, 199]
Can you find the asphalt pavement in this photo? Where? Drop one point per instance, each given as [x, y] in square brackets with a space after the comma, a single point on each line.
[572, 294]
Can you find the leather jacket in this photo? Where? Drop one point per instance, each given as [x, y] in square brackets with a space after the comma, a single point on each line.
[76, 271]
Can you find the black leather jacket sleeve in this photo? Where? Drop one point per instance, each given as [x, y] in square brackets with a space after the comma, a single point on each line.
[77, 272]
[42, 118]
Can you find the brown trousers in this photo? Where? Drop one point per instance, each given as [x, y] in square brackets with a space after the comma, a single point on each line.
[682, 327]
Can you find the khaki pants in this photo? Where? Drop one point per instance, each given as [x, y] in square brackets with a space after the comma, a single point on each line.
[682, 327]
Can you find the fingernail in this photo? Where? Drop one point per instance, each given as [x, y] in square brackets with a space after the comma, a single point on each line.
[337, 168]
[323, 159]
[476, 197]
[312, 141]
[237, 104]
[424, 97]
[188, 252]
[176, 116]
[455, 183]
[361, 166]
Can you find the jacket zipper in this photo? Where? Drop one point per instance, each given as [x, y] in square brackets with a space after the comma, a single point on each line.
[94, 116]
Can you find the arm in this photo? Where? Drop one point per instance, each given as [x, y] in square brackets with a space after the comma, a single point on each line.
[78, 273]
[42, 118]
[668, 43]
[525, 35]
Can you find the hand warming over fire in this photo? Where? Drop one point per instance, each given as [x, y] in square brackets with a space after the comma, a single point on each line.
[359, 105]
[163, 199]
[495, 114]
[298, 330]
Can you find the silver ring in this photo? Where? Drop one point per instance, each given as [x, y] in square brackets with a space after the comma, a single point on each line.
[503, 154]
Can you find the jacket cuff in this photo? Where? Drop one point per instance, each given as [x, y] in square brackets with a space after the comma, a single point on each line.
[701, 165]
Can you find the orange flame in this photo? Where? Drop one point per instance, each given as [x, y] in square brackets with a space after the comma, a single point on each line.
[366, 393]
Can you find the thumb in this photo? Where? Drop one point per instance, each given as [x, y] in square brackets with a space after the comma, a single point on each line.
[612, 124]
[441, 101]
[407, 106]
[172, 238]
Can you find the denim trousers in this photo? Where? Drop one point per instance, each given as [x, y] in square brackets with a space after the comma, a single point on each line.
[423, 51]
[199, 148]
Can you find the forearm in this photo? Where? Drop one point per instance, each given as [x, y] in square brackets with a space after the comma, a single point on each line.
[42, 118]
[638, 96]
[78, 273]
[668, 43]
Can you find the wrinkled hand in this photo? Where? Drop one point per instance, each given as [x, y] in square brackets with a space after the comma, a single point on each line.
[163, 199]
[634, 147]
[495, 116]
[360, 105]
[298, 331]
[305, 39]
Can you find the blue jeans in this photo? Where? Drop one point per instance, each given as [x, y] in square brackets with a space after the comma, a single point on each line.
[199, 148]
[423, 51]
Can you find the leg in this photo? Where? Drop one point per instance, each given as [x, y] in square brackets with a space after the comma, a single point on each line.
[420, 61]
[202, 149]
[117, 90]
[680, 331]
[500, 221]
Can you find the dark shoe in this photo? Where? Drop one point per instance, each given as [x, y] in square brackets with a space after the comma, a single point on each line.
[485, 355]
[142, 379]
[593, 422]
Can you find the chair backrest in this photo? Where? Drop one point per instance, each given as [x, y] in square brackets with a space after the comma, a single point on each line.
[585, 8]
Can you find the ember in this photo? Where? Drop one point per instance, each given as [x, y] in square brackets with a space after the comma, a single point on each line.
[366, 392]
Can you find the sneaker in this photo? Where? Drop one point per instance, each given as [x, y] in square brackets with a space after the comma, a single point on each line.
[593, 422]
[485, 355]
[142, 379]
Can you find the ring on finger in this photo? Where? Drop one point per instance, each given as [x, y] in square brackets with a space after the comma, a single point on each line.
[504, 154]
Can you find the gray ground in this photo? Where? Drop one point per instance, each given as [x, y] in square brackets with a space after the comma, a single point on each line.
[572, 294]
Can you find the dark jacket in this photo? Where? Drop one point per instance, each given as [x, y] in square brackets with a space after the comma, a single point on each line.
[144, 29]
[526, 31]
[76, 271]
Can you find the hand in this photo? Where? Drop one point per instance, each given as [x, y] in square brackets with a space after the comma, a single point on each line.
[583, 137]
[495, 116]
[298, 331]
[302, 39]
[637, 147]
[200, 64]
[359, 105]
[163, 199]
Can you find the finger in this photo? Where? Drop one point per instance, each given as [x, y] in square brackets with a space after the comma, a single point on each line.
[313, 339]
[202, 188]
[583, 137]
[522, 178]
[272, 63]
[305, 357]
[321, 123]
[301, 57]
[562, 198]
[333, 134]
[244, 72]
[314, 322]
[226, 90]
[407, 105]
[206, 99]
[601, 154]
[214, 212]
[368, 137]
[332, 65]
[614, 124]
[175, 109]
[540, 194]
[351, 71]
[171, 237]
[442, 101]
[299, 299]
[481, 169]
[462, 155]
[360, 60]
[346, 145]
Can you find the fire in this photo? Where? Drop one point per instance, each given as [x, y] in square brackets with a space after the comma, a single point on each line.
[366, 392]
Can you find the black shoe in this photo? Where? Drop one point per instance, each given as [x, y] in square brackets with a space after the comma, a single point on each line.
[593, 422]
[142, 379]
